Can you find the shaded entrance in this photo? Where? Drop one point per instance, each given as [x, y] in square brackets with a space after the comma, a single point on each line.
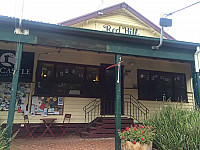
[107, 86]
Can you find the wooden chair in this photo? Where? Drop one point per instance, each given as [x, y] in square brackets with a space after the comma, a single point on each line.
[63, 127]
[29, 128]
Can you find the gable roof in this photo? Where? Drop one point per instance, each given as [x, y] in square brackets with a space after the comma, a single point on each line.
[111, 9]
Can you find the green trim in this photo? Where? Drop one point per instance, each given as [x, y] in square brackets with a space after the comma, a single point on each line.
[99, 45]
[111, 46]
[146, 51]
[11, 37]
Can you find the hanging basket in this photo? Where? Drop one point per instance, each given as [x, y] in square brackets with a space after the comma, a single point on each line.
[130, 146]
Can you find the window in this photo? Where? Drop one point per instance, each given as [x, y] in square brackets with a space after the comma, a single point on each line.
[69, 79]
[45, 76]
[92, 81]
[156, 85]
[59, 79]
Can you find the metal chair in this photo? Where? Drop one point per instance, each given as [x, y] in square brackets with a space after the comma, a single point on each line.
[29, 128]
[63, 127]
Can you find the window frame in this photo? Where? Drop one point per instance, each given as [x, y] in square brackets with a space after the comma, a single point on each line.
[54, 79]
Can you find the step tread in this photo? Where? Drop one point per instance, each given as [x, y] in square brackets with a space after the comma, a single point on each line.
[93, 128]
[98, 123]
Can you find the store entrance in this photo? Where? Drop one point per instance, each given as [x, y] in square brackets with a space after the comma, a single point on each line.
[107, 85]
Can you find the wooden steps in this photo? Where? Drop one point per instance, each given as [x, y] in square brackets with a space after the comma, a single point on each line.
[104, 127]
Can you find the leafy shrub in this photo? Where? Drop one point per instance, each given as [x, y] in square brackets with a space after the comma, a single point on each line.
[176, 129]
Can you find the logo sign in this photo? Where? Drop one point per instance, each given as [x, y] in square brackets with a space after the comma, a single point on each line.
[8, 59]
[121, 29]
[7, 62]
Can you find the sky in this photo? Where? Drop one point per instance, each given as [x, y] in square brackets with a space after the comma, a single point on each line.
[185, 24]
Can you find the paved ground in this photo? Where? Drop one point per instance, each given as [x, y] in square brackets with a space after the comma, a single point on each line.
[71, 142]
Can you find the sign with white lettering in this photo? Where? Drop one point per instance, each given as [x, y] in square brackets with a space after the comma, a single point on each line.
[121, 29]
[7, 62]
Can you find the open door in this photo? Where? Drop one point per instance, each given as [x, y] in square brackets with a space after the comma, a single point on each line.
[107, 86]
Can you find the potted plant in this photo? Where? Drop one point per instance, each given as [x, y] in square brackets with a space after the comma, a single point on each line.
[138, 137]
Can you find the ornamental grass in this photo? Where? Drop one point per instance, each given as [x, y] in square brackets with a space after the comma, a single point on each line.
[176, 129]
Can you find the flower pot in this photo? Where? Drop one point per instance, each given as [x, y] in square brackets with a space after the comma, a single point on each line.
[130, 146]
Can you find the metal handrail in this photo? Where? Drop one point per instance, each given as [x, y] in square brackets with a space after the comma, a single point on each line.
[137, 101]
[136, 108]
[85, 107]
[91, 109]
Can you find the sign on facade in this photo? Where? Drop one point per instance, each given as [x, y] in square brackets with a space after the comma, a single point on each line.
[121, 29]
[7, 62]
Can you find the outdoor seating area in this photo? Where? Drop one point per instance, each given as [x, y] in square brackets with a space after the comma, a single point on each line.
[61, 128]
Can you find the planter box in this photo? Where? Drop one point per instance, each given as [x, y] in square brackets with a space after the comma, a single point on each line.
[130, 146]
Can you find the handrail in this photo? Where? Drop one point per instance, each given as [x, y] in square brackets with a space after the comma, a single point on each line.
[137, 101]
[85, 107]
[135, 109]
[91, 110]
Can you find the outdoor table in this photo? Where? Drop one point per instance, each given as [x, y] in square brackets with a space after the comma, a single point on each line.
[48, 122]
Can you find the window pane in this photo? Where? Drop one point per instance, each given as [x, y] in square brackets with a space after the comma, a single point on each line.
[92, 82]
[163, 87]
[45, 71]
[144, 84]
[180, 87]
[45, 78]
[69, 79]
[44, 87]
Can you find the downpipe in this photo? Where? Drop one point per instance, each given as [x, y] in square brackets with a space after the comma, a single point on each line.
[161, 40]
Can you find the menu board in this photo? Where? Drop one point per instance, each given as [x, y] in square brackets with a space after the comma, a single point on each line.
[47, 105]
[22, 97]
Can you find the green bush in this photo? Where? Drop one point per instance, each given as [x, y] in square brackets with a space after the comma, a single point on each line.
[176, 129]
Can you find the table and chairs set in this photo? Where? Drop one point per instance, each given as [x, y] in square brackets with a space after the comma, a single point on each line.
[48, 122]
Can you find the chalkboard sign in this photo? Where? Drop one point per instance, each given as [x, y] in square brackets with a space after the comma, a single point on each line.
[54, 105]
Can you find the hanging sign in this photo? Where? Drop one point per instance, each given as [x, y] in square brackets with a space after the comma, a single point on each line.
[7, 62]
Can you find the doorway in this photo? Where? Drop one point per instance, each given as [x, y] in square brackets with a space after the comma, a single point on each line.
[107, 86]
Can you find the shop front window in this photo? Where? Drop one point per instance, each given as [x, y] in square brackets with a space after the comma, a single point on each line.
[67, 79]
[161, 86]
